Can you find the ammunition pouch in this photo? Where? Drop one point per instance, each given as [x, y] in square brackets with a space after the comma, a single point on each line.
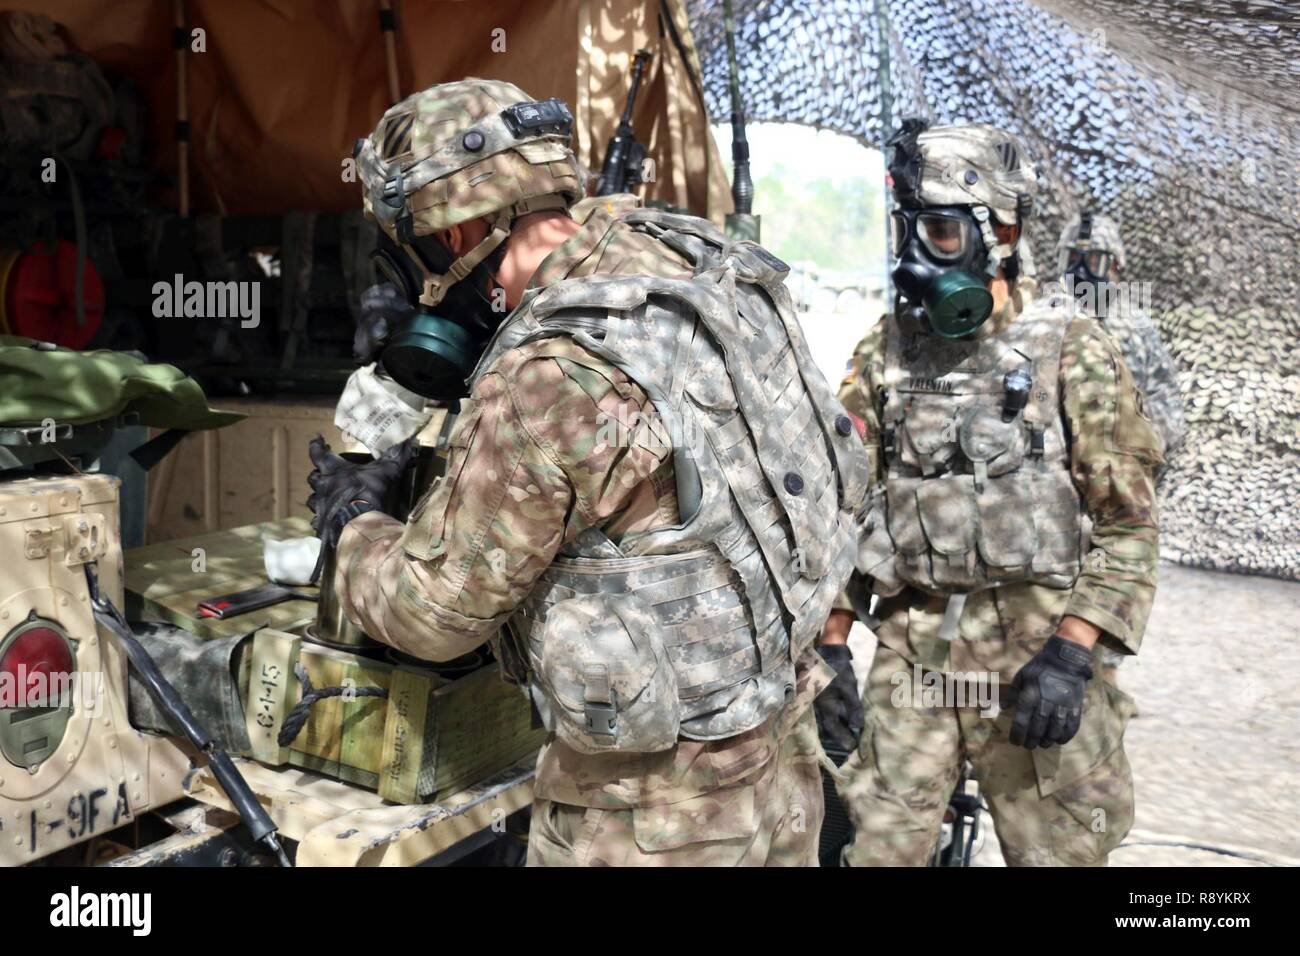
[603, 668]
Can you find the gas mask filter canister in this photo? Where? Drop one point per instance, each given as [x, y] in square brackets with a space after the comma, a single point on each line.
[940, 253]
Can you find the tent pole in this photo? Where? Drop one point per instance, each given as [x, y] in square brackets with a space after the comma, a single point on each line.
[388, 27]
[886, 121]
[180, 42]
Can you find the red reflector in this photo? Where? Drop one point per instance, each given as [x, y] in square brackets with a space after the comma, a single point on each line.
[38, 660]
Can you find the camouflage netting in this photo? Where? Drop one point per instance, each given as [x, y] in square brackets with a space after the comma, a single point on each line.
[1179, 118]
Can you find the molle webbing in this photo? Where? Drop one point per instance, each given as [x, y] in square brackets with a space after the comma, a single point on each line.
[980, 495]
[767, 479]
[700, 607]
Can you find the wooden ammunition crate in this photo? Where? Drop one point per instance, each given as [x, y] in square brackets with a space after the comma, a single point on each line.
[429, 737]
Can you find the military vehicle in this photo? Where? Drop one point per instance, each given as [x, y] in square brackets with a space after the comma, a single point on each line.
[130, 227]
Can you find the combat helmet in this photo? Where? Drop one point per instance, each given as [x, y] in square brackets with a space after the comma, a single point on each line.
[1089, 231]
[460, 151]
[972, 165]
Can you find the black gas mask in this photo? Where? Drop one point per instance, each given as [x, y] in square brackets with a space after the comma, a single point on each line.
[1087, 270]
[1087, 275]
[433, 351]
[941, 263]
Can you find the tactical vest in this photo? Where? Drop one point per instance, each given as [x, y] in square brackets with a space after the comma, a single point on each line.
[977, 461]
[693, 630]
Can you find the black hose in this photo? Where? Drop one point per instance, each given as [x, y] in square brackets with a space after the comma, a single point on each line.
[228, 776]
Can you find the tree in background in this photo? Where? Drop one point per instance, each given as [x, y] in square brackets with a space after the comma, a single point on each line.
[821, 196]
[836, 223]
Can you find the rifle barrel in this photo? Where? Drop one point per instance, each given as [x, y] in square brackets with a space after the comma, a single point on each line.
[638, 69]
[621, 171]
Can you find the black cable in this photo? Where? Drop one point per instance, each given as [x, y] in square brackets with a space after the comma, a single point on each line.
[236, 788]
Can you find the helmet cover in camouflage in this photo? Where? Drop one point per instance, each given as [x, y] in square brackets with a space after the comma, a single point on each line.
[1102, 236]
[455, 152]
[971, 165]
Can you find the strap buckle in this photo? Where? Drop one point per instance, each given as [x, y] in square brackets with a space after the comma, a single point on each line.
[598, 701]
[602, 719]
[1036, 441]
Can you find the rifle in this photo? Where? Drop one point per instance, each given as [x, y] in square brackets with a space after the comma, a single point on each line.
[621, 172]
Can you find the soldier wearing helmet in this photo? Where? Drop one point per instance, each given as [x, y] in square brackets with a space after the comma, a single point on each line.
[648, 502]
[1010, 535]
[1090, 260]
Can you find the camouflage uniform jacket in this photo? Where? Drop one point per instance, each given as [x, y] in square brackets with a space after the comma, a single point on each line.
[1153, 370]
[526, 474]
[1113, 451]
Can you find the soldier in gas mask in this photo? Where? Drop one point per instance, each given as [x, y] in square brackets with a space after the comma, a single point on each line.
[1090, 259]
[648, 502]
[999, 425]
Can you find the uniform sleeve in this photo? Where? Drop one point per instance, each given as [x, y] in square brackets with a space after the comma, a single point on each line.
[1113, 454]
[1163, 400]
[532, 462]
[857, 394]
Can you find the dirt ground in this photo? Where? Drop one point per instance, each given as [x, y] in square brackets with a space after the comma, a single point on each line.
[1216, 747]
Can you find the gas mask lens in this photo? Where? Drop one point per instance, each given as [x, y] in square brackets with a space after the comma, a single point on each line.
[1095, 261]
[897, 233]
[945, 237]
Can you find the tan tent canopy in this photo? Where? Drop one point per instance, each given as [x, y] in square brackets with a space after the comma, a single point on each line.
[285, 87]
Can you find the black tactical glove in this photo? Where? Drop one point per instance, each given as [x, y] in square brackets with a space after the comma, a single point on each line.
[839, 707]
[342, 489]
[1047, 694]
[383, 310]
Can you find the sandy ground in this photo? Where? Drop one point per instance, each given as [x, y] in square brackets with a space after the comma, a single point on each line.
[1216, 748]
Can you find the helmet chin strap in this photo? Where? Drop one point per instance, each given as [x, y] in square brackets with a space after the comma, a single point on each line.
[997, 251]
[436, 286]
